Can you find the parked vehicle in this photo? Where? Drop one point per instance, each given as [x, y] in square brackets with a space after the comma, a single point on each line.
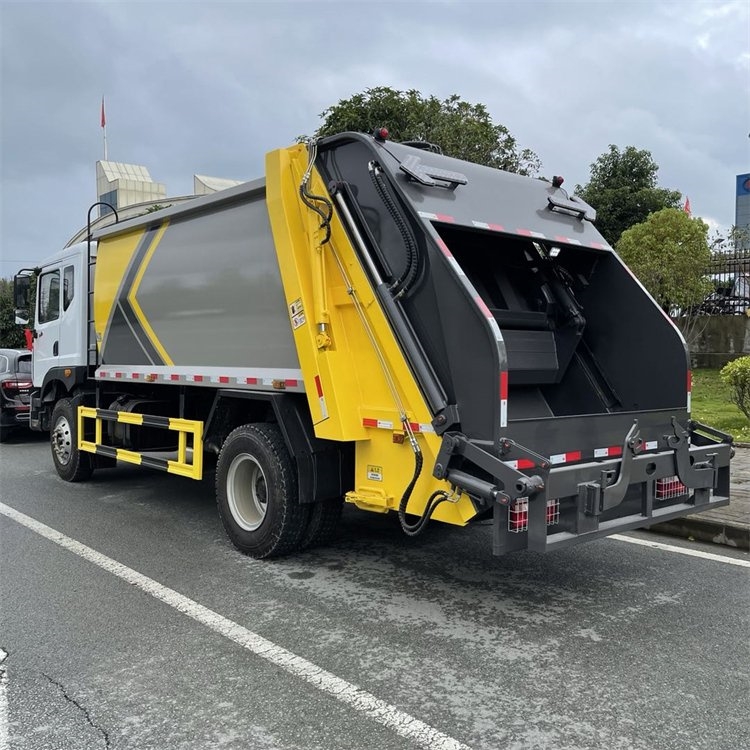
[378, 322]
[15, 391]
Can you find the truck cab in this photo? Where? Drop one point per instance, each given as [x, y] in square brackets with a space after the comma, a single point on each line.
[61, 357]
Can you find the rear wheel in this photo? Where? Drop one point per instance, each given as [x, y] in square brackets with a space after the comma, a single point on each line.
[72, 465]
[323, 523]
[256, 492]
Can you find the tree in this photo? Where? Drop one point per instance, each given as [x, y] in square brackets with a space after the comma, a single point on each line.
[11, 335]
[670, 255]
[460, 129]
[623, 189]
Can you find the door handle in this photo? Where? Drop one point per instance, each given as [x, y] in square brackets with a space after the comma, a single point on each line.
[54, 349]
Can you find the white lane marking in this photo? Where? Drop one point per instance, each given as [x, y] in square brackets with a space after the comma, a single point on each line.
[386, 714]
[682, 550]
[4, 741]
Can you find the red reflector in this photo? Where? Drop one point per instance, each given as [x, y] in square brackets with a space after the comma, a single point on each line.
[504, 386]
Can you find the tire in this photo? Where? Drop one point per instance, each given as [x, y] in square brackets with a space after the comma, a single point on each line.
[72, 465]
[256, 492]
[323, 522]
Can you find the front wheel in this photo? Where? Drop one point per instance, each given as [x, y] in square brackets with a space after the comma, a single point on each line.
[256, 492]
[72, 465]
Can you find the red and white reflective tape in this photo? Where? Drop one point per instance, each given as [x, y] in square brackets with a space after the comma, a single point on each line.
[504, 398]
[530, 233]
[451, 259]
[387, 424]
[483, 307]
[491, 227]
[689, 389]
[565, 458]
[437, 217]
[321, 399]
[521, 463]
[613, 451]
[567, 240]
[443, 247]
[261, 378]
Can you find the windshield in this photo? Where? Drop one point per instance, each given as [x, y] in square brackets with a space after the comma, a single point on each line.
[24, 365]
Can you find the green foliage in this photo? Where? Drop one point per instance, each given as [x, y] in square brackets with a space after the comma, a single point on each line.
[712, 405]
[669, 254]
[11, 335]
[736, 374]
[461, 129]
[623, 189]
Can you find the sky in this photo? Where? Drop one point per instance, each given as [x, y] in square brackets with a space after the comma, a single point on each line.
[209, 87]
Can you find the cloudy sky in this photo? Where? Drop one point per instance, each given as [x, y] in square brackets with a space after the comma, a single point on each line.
[209, 87]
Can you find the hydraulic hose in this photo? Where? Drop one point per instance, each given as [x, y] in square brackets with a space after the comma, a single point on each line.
[437, 497]
[402, 284]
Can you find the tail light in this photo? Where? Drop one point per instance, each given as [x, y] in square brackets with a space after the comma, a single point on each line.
[518, 514]
[669, 488]
[16, 385]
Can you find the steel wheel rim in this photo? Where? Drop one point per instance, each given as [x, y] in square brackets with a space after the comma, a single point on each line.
[247, 492]
[62, 441]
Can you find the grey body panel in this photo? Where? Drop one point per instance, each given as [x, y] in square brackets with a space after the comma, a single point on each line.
[502, 199]
[211, 291]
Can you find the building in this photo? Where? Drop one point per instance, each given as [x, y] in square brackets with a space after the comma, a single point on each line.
[742, 211]
[121, 185]
[129, 189]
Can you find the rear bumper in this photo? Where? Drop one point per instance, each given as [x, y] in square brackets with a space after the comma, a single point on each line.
[575, 518]
[14, 416]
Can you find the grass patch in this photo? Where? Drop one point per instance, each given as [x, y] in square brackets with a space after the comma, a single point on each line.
[711, 405]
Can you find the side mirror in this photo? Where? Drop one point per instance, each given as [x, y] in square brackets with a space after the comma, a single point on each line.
[21, 285]
[21, 289]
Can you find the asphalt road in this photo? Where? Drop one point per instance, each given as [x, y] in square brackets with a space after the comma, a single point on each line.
[608, 645]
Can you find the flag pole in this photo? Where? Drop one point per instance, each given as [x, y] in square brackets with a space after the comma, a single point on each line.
[104, 129]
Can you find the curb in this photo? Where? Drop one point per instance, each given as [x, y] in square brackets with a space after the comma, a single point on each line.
[729, 535]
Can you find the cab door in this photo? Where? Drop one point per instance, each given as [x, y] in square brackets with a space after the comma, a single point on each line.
[47, 325]
[60, 320]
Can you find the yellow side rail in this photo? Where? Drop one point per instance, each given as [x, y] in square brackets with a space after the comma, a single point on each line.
[186, 429]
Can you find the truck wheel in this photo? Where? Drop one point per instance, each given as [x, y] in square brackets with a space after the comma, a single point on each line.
[324, 520]
[256, 492]
[72, 465]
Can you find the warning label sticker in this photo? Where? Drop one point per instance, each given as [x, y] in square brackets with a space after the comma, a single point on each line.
[375, 473]
[297, 313]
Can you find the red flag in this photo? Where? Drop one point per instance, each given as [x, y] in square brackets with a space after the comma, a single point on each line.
[686, 207]
[104, 119]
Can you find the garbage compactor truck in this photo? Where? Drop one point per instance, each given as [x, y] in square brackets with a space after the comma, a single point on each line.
[377, 323]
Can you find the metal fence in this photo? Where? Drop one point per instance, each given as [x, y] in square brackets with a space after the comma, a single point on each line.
[730, 273]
